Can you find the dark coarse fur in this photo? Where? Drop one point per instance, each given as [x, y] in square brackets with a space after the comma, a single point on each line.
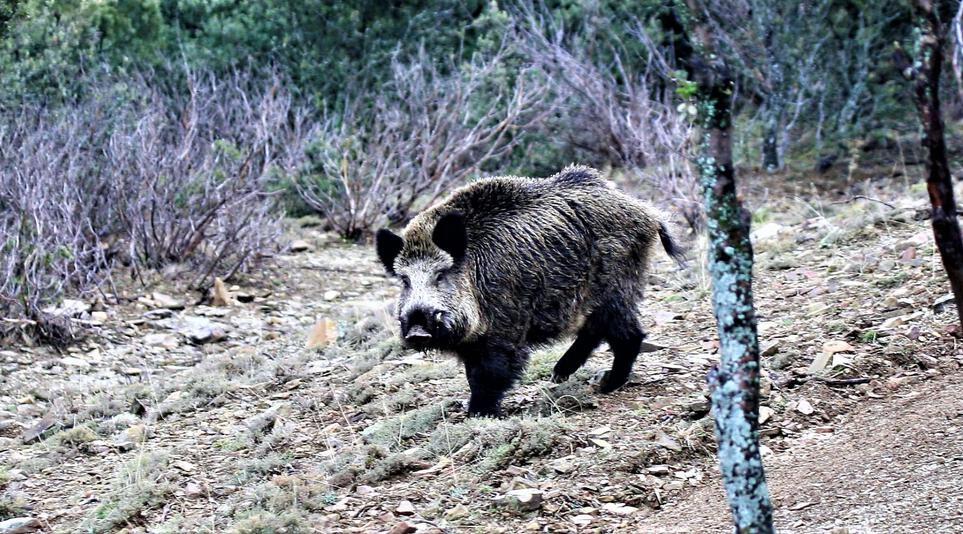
[505, 264]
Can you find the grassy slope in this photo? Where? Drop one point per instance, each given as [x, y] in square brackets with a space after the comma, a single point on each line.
[267, 436]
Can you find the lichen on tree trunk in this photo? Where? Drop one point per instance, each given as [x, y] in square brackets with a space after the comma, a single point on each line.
[735, 381]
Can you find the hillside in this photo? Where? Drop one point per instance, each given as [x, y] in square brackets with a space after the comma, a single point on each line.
[176, 415]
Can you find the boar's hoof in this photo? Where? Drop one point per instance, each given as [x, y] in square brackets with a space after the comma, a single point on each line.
[558, 378]
[607, 384]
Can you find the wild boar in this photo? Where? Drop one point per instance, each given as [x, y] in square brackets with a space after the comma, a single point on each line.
[507, 264]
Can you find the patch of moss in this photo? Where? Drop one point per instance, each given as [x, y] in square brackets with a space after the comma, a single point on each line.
[141, 484]
[258, 467]
[496, 443]
[573, 395]
[395, 430]
[424, 372]
[541, 364]
[263, 522]
[74, 437]
[407, 398]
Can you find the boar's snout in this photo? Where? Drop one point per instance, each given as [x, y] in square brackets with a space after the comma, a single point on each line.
[424, 327]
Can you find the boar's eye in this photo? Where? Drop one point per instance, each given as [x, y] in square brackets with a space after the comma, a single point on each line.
[439, 276]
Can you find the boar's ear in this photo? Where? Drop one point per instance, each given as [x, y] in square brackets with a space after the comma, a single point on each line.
[388, 245]
[450, 235]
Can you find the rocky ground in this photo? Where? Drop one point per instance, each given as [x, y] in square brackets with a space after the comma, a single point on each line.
[285, 404]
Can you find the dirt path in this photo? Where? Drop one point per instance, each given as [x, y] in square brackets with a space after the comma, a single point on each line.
[892, 466]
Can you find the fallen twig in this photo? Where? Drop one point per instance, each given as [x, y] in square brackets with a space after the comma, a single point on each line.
[842, 382]
[864, 197]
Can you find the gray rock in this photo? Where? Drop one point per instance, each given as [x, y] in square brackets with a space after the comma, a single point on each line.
[19, 525]
[162, 300]
[523, 500]
[69, 308]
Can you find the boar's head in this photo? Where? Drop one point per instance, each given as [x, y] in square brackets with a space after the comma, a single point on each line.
[437, 308]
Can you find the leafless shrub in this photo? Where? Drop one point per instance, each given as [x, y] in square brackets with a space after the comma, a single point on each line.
[622, 116]
[410, 141]
[131, 176]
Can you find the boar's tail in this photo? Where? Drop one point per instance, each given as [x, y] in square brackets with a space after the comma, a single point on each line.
[671, 246]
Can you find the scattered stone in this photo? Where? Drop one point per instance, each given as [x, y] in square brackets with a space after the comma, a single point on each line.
[46, 423]
[941, 304]
[68, 308]
[783, 360]
[71, 361]
[300, 245]
[765, 413]
[771, 349]
[914, 333]
[658, 470]
[131, 437]
[19, 525]
[331, 295]
[664, 440]
[193, 490]
[563, 465]
[769, 230]
[162, 300]
[646, 347]
[601, 443]
[828, 354]
[697, 407]
[458, 512]
[600, 431]
[99, 316]
[159, 313]
[662, 317]
[403, 528]
[621, 509]
[891, 323]
[841, 359]
[167, 341]
[804, 407]
[582, 520]
[405, 508]
[522, 500]
[184, 466]
[200, 330]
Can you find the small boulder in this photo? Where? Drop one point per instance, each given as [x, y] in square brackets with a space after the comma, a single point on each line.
[300, 245]
[19, 525]
[165, 301]
[522, 500]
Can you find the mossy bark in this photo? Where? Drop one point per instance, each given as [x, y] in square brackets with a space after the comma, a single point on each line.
[924, 70]
[735, 381]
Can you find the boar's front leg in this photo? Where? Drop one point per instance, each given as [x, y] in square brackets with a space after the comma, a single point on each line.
[586, 341]
[492, 368]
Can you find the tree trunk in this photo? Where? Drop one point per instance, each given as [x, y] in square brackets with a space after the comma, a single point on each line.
[925, 73]
[735, 381]
[770, 148]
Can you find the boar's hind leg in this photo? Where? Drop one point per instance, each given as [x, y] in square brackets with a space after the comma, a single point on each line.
[491, 370]
[586, 341]
[624, 334]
